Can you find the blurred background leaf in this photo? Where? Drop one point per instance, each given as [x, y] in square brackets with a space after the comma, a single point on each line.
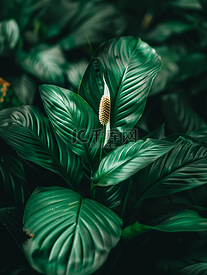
[9, 36]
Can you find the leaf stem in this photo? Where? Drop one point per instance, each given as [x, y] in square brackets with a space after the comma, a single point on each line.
[102, 141]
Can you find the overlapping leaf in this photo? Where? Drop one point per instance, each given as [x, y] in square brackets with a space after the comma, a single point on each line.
[181, 169]
[128, 159]
[186, 220]
[32, 136]
[14, 189]
[73, 120]
[69, 234]
[129, 67]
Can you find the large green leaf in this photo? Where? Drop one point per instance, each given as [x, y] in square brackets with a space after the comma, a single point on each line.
[9, 36]
[45, 63]
[186, 220]
[69, 234]
[32, 136]
[129, 67]
[73, 120]
[180, 115]
[181, 169]
[14, 190]
[128, 159]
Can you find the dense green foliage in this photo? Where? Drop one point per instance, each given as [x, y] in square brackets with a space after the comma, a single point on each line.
[128, 197]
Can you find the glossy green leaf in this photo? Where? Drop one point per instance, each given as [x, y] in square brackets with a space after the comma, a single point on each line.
[73, 120]
[129, 67]
[128, 159]
[69, 234]
[45, 63]
[31, 135]
[9, 36]
[186, 220]
[200, 135]
[179, 114]
[14, 190]
[181, 169]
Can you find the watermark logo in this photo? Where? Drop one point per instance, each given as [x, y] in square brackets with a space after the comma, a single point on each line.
[94, 137]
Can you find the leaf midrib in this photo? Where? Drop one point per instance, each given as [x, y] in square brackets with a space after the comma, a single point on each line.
[165, 177]
[50, 152]
[121, 85]
[76, 126]
[119, 166]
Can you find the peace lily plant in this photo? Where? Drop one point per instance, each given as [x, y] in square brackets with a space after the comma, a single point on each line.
[72, 230]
